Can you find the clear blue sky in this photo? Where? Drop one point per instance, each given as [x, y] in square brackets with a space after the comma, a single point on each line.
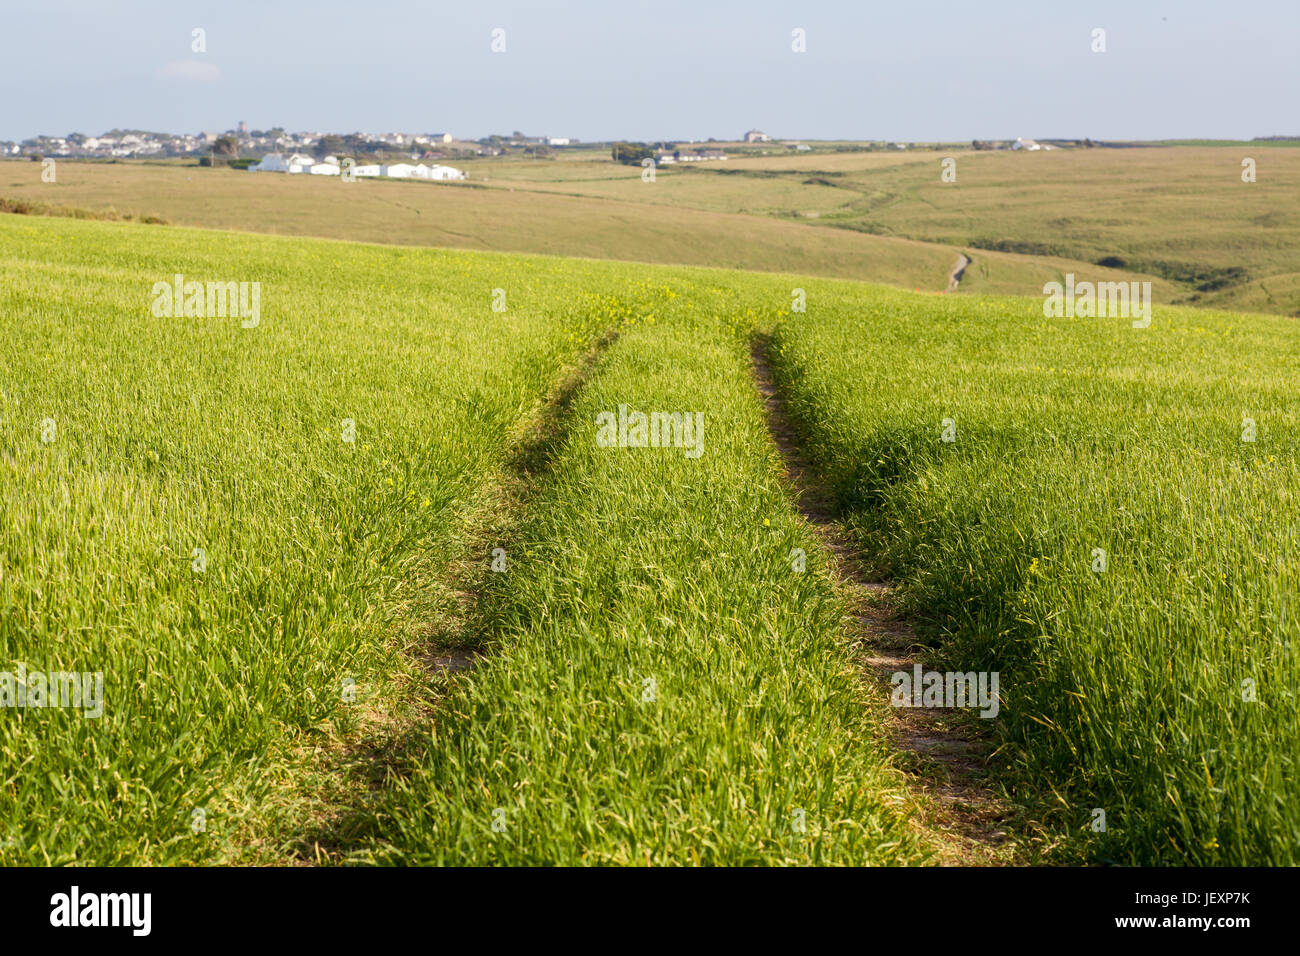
[671, 69]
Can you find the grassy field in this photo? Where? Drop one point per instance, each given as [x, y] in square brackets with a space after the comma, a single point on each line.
[540, 207]
[1179, 214]
[661, 686]
[172, 434]
[326, 564]
[1159, 686]
[653, 680]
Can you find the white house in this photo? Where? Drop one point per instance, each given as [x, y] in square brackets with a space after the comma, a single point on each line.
[664, 157]
[757, 136]
[277, 163]
[558, 141]
[1022, 143]
[297, 163]
[271, 163]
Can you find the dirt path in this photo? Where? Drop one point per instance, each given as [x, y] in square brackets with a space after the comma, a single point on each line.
[961, 818]
[958, 270]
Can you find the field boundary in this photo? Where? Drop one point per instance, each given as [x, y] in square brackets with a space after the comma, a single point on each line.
[25, 207]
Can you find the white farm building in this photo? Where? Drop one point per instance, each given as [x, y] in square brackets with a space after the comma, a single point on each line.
[299, 163]
[444, 172]
[1030, 145]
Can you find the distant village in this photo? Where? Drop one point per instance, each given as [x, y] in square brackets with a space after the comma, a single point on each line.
[140, 144]
[386, 154]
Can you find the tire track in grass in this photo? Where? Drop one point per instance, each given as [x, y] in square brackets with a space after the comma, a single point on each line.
[963, 818]
[456, 645]
[664, 688]
[447, 646]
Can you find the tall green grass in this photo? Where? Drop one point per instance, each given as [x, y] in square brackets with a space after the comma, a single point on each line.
[180, 433]
[1124, 690]
[660, 685]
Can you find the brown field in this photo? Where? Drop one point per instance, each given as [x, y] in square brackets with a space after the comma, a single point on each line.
[1177, 216]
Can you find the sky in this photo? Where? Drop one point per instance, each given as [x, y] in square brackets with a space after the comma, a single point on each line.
[912, 70]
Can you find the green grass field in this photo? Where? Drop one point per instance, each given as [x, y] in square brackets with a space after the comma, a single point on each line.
[660, 685]
[654, 681]
[177, 434]
[1161, 689]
